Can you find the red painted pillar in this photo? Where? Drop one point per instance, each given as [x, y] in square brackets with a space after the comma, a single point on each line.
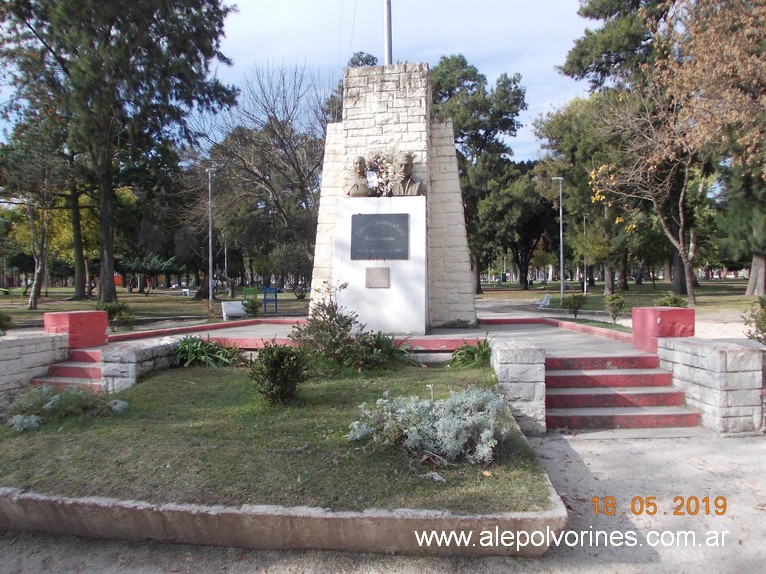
[85, 328]
[652, 323]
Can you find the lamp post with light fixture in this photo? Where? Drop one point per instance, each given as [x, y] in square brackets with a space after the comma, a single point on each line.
[210, 172]
[561, 232]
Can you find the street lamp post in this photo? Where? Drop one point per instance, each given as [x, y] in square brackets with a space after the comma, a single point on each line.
[210, 172]
[561, 232]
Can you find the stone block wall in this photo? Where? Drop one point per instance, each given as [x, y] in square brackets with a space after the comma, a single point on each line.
[26, 356]
[124, 363]
[387, 107]
[450, 281]
[723, 380]
[520, 370]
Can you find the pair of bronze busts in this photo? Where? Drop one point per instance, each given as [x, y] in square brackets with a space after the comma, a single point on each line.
[360, 186]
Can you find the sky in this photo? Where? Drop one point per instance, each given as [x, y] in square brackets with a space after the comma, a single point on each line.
[495, 36]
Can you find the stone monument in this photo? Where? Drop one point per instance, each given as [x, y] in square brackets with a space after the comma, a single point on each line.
[402, 250]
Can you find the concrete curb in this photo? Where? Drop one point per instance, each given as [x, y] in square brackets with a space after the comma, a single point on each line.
[279, 528]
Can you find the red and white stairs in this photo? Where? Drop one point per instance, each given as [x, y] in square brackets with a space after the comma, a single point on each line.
[82, 369]
[613, 393]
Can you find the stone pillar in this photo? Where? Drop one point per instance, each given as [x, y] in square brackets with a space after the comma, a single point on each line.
[520, 370]
[653, 323]
[85, 328]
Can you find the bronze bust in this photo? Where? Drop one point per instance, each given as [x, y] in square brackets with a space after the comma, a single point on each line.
[408, 185]
[358, 186]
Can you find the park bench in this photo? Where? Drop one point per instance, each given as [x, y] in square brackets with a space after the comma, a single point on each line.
[544, 302]
[232, 309]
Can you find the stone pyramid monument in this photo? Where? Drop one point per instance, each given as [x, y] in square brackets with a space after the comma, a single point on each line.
[396, 239]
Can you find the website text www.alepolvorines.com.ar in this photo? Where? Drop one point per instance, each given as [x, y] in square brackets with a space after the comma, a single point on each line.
[573, 538]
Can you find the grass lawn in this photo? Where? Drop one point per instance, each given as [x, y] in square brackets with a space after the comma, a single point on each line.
[723, 294]
[204, 436]
[159, 303]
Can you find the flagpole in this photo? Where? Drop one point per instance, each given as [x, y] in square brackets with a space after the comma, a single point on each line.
[387, 32]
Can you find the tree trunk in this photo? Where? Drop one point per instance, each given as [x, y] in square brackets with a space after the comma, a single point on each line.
[756, 285]
[623, 275]
[476, 275]
[679, 275]
[107, 292]
[608, 280]
[668, 270]
[80, 272]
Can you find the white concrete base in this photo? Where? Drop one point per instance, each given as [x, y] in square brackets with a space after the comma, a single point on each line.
[388, 295]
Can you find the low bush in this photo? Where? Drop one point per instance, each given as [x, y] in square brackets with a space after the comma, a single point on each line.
[334, 335]
[468, 425]
[252, 306]
[574, 303]
[197, 351]
[614, 305]
[468, 355]
[277, 371]
[756, 321]
[671, 300]
[38, 405]
[387, 351]
[118, 315]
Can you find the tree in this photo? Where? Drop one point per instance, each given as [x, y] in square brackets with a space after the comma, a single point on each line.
[515, 217]
[268, 153]
[32, 174]
[655, 166]
[617, 51]
[715, 69]
[484, 118]
[125, 73]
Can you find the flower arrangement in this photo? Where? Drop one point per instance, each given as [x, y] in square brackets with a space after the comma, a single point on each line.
[387, 169]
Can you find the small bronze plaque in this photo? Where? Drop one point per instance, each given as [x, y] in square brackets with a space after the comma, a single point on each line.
[380, 236]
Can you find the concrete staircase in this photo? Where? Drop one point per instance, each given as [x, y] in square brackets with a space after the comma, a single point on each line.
[83, 369]
[613, 392]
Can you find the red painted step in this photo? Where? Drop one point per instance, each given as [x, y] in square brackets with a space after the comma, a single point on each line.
[85, 355]
[610, 418]
[76, 369]
[592, 363]
[576, 378]
[596, 397]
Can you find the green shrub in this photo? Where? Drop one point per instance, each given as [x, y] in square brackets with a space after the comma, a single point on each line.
[574, 303]
[5, 322]
[387, 351]
[333, 334]
[252, 306]
[468, 355]
[118, 315]
[614, 305]
[300, 291]
[197, 351]
[756, 321]
[468, 425]
[671, 300]
[277, 371]
[42, 404]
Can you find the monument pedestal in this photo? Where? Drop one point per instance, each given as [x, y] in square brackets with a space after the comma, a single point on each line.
[405, 258]
[380, 252]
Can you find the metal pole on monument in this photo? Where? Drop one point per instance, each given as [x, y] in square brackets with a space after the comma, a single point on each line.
[387, 60]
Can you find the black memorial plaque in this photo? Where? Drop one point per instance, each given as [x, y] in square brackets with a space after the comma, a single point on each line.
[380, 236]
